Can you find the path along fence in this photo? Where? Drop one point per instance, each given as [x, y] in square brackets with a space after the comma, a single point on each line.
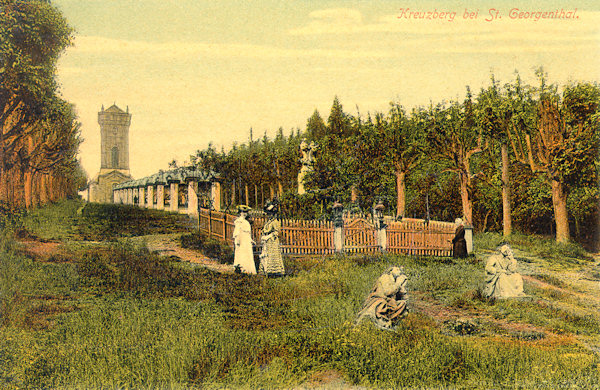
[358, 235]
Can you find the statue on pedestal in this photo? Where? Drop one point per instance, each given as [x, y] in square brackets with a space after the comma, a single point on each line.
[308, 159]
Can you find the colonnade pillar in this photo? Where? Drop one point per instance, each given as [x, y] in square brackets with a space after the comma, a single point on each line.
[160, 196]
[174, 195]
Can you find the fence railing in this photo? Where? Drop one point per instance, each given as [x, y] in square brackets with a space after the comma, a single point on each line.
[305, 237]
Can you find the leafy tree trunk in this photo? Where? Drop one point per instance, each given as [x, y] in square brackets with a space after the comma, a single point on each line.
[247, 194]
[3, 186]
[28, 189]
[559, 203]
[400, 193]
[467, 203]
[36, 189]
[43, 192]
[506, 208]
[280, 187]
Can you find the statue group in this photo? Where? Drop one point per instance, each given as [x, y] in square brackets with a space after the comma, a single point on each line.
[387, 302]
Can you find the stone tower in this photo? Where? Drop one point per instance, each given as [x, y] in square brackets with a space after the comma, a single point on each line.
[114, 129]
[114, 153]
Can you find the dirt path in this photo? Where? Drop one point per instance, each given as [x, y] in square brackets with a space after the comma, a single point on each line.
[43, 251]
[168, 245]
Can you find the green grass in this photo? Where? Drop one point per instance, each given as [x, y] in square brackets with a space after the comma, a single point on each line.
[545, 247]
[77, 220]
[119, 316]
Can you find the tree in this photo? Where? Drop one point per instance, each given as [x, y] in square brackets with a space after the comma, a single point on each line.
[495, 112]
[315, 127]
[338, 122]
[33, 121]
[453, 138]
[406, 144]
[562, 140]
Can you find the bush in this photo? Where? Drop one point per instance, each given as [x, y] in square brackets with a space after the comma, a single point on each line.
[11, 219]
[134, 269]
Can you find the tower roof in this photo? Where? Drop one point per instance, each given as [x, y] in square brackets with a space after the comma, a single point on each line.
[114, 108]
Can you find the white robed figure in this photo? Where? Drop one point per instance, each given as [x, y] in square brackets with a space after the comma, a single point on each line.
[242, 238]
[501, 276]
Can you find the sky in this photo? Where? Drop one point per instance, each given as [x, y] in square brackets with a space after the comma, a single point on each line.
[196, 71]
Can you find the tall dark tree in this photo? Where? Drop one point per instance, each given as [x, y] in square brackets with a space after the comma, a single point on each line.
[315, 127]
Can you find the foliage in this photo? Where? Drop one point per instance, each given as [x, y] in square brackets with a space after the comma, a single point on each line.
[445, 158]
[39, 135]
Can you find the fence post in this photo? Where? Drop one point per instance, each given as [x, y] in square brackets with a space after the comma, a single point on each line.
[338, 223]
[469, 237]
[378, 219]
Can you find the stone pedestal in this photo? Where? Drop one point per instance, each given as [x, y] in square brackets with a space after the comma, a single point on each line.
[382, 239]
[469, 238]
[215, 195]
[338, 239]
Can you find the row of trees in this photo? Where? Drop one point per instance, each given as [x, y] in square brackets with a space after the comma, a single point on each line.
[511, 153]
[255, 171]
[39, 133]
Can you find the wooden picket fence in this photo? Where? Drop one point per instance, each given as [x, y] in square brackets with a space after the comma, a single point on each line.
[302, 237]
[419, 237]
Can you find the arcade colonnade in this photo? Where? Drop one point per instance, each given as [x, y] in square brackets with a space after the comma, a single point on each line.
[179, 190]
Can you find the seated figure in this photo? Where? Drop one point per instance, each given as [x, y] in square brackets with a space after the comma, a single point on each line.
[501, 276]
[387, 300]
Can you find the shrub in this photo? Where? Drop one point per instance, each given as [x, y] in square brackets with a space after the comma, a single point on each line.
[11, 219]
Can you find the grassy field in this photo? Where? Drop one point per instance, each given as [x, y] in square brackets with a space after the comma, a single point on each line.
[94, 309]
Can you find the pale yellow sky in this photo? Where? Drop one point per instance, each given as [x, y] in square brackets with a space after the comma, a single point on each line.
[197, 71]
